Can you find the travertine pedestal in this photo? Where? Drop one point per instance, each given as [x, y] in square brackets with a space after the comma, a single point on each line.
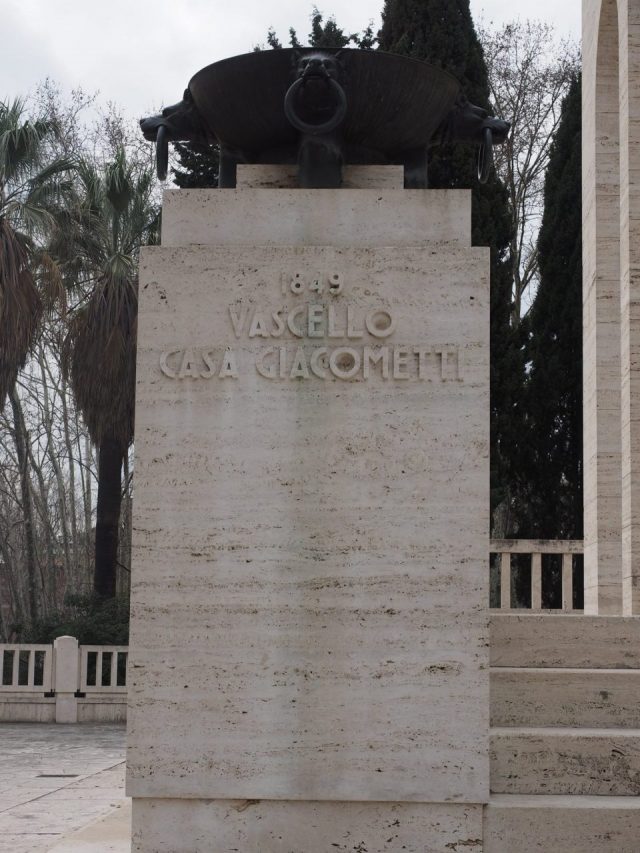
[309, 605]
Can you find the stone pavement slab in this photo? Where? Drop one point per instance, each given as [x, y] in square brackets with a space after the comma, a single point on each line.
[110, 834]
[56, 779]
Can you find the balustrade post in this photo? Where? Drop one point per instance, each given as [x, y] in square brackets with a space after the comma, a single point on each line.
[536, 581]
[65, 650]
[505, 581]
[567, 582]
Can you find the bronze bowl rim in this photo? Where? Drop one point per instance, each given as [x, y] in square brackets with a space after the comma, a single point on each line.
[420, 95]
[334, 50]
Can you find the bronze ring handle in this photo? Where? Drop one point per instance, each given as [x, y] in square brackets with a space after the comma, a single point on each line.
[303, 126]
[162, 152]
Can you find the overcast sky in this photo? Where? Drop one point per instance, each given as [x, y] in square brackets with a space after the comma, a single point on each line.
[141, 53]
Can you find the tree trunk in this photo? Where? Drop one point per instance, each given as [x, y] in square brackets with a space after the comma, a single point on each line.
[86, 477]
[7, 577]
[22, 438]
[110, 457]
[74, 569]
[124, 545]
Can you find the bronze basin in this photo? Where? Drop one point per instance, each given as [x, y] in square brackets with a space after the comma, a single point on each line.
[394, 103]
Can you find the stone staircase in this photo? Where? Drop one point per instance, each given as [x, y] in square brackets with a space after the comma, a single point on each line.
[565, 737]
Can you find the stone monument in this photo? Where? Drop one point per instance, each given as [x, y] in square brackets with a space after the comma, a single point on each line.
[308, 660]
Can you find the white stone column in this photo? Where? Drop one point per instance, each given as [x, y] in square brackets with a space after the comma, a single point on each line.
[65, 650]
[611, 208]
[601, 310]
[629, 30]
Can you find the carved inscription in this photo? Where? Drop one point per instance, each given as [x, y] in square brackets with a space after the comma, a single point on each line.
[355, 344]
[312, 320]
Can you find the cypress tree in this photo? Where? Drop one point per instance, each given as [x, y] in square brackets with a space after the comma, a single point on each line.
[198, 166]
[442, 33]
[552, 471]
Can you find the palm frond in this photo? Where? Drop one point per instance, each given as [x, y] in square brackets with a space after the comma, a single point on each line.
[20, 141]
[51, 280]
[115, 213]
[20, 307]
[99, 359]
[30, 218]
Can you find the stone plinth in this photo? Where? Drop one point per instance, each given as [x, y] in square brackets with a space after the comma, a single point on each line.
[309, 602]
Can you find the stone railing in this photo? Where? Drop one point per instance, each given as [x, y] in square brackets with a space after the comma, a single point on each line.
[537, 549]
[103, 669]
[26, 668]
[63, 682]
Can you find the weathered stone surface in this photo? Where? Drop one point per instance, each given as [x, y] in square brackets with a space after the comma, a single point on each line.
[27, 708]
[341, 218]
[310, 584]
[161, 826]
[601, 313]
[565, 640]
[103, 709]
[600, 762]
[560, 824]
[606, 698]
[55, 779]
[353, 177]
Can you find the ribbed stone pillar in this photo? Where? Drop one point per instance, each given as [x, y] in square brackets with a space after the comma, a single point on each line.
[611, 210]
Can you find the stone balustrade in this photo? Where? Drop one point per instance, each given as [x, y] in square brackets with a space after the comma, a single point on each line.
[538, 550]
[63, 682]
[27, 668]
[103, 669]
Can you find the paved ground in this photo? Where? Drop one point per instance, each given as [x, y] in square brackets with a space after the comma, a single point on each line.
[57, 782]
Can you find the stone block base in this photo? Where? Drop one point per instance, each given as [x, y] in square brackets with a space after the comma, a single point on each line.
[544, 824]
[563, 760]
[270, 826]
[592, 698]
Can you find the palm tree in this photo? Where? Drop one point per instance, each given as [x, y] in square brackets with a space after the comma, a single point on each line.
[31, 188]
[32, 185]
[115, 214]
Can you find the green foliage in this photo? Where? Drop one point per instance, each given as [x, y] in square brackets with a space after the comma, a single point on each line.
[199, 166]
[551, 464]
[328, 34]
[442, 33]
[114, 214]
[91, 620]
[31, 189]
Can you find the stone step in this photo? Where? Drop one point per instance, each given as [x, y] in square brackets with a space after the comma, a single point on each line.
[600, 762]
[565, 640]
[561, 824]
[594, 698]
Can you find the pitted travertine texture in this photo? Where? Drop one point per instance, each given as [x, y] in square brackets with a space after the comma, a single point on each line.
[161, 826]
[564, 640]
[601, 312]
[606, 698]
[350, 218]
[564, 760]
[254, 176]
[561, 824]
[309, 610]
